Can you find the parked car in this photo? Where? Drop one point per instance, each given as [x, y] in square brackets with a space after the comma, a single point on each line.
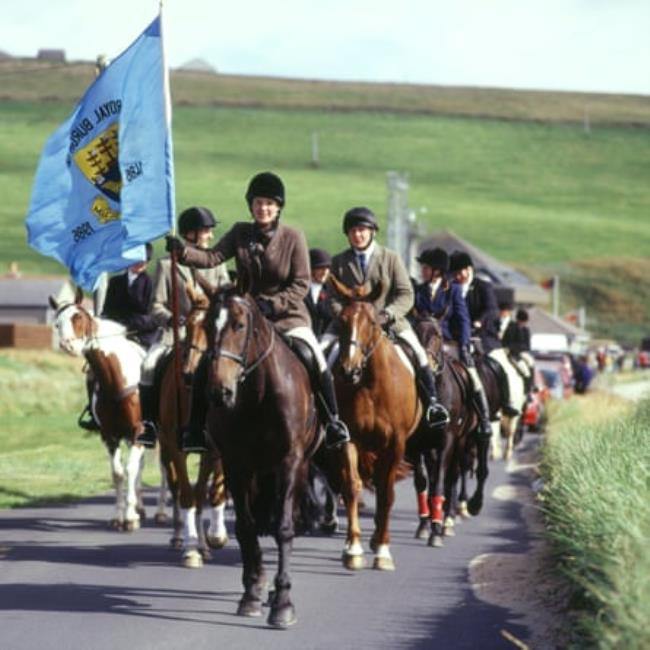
[535, 416]
[643, 356]
[557, 372]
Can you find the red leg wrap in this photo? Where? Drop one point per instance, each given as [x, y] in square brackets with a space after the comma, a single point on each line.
[436, 508]
[423, 507]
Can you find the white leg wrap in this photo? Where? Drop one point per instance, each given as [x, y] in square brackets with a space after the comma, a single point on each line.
[190, 534]
[383, 552]
[353, 549]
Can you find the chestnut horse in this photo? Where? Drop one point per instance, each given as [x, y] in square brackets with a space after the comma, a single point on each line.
[114, 362]
[187, 499]
[262, 417]
[378, 400]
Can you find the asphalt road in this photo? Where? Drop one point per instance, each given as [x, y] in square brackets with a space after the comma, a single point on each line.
[68, 582]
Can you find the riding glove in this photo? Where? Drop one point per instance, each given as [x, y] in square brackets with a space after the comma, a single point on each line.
[465, 356]
[386, 318]
[174, 245]
[265, 306]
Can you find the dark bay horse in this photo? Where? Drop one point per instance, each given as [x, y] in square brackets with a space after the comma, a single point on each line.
[263, 419]
[378, 400]
[443, 458]
[188, 499]
[114, 364]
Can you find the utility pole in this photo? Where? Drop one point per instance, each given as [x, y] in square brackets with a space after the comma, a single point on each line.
[556, 295]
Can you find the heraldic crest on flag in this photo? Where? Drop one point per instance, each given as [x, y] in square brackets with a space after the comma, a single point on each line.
[104, 185]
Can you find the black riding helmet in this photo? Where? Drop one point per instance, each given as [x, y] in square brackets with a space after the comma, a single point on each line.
[459, 260]
[194, 218]
[359, 216]
[267, 185]
[436, 258]
[319, 258]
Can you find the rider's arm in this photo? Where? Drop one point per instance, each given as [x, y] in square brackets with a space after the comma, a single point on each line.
[223, 250]
[400, 298]
[461, 314]
[160, 304]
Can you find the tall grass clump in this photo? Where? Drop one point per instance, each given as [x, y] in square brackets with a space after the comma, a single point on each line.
[596, 500]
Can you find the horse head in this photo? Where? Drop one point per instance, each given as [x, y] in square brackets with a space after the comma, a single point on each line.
[429, 332]
[196, 341]
[359, 329]
[241, 339]
[73, 323]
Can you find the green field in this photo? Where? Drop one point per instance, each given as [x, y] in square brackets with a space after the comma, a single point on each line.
[532, 187]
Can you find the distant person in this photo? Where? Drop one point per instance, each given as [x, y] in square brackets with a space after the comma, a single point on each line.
[516, 339]
[318, 297]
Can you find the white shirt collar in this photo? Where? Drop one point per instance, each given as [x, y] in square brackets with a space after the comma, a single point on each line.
[131, 277]
[315, 289]
[465, 287]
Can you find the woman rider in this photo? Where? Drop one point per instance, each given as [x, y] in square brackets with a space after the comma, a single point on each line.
[444, 301]
[368, 262]
[273, 264]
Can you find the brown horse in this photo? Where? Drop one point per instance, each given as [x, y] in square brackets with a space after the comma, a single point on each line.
[263, 419]
[378, 400]
[114, 365]
[187, 499]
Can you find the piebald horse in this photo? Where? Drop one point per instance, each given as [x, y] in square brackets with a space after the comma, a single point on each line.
[378, 400]
[114, 362]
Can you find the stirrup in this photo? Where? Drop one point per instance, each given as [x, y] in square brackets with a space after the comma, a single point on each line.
[336, 434]
[148, 436]
[193, 441]
[436, 415]
[510, 411]
[483, 433]
[89, 424]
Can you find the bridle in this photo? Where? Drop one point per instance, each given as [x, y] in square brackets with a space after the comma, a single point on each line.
[245, 368]
[370, 349]
[89, 331]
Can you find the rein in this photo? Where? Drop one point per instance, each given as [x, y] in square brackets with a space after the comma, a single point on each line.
[241, 358]
[371, 348]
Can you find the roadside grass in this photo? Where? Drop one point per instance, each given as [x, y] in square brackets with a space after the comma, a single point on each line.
[596, 468]
[44, 456]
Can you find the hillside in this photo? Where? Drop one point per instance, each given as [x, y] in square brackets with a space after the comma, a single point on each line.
[529, 184]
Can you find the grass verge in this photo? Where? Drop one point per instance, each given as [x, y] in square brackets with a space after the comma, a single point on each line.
[596, 469]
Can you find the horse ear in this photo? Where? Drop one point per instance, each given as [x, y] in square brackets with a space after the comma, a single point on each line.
[78, 296]
[341, 289]
[53, 303]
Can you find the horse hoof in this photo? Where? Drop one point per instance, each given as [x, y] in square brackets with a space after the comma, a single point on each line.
[160, 519]
[115, 524]
[217, 542]
[282, 617]
[474, 506]
[354, 562]
[206, 554]
[448, 528]
[329, 527]
[251, 608]
[462, 510]
[142, 513]
[435, 541]
[384, 564]
[422, 531]
[192, 560]
[131, 525]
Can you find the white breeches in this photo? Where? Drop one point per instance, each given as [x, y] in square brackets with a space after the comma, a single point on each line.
[149, 363]
[307, 335]
[411, 338]
[500, 356]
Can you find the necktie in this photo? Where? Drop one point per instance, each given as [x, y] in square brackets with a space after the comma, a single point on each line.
[363, 263]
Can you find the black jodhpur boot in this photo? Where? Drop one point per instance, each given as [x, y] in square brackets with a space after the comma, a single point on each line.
[436, 415]
[86, 418]
[193, 437]
[148, 437]
[484, 430]
[336, 432]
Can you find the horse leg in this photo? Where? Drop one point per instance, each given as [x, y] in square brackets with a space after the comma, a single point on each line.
[420, 484]
[461, 510]
[133, 468]
[160, 518]
[283, 613]
[476, 502]
[167, 462]
[496, 454]
[437, 493]
[217, 535]
[384, 479]
[139, 493]
[117, 474]
[351, 489]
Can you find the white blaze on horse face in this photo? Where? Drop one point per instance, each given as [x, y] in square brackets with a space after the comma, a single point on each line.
[69, 340]
[221, 319]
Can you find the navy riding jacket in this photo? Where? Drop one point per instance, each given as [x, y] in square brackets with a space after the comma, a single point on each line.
[449, 307]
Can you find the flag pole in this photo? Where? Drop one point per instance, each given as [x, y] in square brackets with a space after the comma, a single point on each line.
[174, 260]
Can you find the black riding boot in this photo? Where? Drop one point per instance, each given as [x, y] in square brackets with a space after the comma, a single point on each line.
[87, 418]
[436, 415]
[485, 426]
[148, 408]
[506, 409]
[193, 437]
[336, 432]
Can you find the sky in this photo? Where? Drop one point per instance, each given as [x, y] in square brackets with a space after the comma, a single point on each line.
[579, 45]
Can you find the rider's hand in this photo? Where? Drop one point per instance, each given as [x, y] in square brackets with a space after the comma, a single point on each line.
[465, 355]
[386, 318]
[265, 306]
[174, 245]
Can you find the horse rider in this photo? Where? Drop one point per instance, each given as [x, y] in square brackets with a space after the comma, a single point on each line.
[127, 301]
[273, 265]
[318, 297]
[195, 226]
[366, 261]
[443, 300]
[515, 337]
[484, 314]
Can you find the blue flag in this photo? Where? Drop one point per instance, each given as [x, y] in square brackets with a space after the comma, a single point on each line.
[105, 183]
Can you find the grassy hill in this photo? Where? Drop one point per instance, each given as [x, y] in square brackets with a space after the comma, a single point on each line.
[516, 173]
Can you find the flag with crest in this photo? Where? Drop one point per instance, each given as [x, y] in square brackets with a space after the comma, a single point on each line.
[105, 183]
